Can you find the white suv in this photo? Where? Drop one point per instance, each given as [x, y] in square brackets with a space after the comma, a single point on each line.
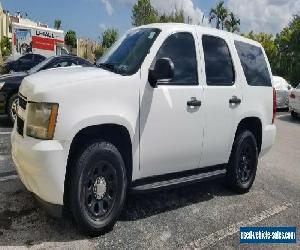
[169, 104]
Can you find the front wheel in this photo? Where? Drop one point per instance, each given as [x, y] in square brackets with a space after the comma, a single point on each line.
[98, 188]
[243, 161]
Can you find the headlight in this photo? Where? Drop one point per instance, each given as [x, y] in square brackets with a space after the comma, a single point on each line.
[1, 85]
[41, 120]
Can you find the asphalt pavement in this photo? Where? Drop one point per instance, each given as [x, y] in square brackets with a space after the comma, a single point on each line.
[203, 216]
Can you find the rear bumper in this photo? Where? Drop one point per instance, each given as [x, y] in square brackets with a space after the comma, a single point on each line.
[268, 139]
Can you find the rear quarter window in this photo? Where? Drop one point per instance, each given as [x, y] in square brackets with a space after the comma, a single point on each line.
[254, 64]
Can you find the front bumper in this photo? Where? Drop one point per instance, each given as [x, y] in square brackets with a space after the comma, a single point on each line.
[41, 166]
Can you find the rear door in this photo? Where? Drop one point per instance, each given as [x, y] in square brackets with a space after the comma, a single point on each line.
[222, 98]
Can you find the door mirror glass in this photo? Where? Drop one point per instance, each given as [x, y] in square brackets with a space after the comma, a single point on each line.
[163, 71]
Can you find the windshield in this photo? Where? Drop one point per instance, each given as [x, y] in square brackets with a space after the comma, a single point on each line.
[127, 55]
[39, 66]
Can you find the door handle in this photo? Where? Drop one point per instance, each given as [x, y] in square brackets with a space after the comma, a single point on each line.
[235, 100]
[194, 103]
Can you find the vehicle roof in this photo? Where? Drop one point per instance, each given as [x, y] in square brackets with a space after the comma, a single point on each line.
[221, 33]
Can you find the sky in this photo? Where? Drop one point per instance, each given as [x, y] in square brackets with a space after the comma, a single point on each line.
[90, 17]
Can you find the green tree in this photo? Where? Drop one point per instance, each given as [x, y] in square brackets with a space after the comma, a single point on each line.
[143, 13]
[99, 51]
[177, 17]
[57, 24]
[71, 39]
[109, 37]
[288, 42]
[220, 14]
[232, 24]
[5, 46]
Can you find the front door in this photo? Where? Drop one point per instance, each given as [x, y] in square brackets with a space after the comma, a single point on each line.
[171, 119]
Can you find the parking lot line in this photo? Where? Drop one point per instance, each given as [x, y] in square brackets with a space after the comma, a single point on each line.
[217, 236]
[5, 133]
[9, 177]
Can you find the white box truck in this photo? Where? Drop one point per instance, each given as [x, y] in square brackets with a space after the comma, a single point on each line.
[38, 40]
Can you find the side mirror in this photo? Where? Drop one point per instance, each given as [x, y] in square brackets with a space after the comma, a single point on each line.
[163, 70]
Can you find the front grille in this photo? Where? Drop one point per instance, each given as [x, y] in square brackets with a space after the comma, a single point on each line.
[20, 125]
[20, 122]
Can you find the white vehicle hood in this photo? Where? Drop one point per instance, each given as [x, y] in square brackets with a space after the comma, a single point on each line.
[55, 78]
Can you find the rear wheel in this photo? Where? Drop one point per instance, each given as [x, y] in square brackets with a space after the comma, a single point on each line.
[294, 114]
[243, 161]
[98, 188]
[12, 108]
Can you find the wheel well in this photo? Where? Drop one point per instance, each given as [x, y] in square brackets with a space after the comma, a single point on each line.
[116, 134]
[254, 125]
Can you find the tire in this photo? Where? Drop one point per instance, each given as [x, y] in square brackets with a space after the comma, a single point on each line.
[12, 108]
[98, 188]
[243, 161]
[294, 114]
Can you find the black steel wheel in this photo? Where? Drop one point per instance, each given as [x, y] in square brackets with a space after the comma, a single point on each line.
[97, 188]
[246, 167]
[243, 161]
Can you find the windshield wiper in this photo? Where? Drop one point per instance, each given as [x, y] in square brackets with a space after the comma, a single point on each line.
[107, 66]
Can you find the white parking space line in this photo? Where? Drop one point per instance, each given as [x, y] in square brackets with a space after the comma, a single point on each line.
[7, 178]
[217, 236]
[5, 133]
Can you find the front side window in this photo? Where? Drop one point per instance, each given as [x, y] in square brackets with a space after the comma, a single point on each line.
[254, 64]
[180, 48]
[127, 55]
[218, 63]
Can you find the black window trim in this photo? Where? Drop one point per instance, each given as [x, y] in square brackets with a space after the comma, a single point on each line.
[233, 62]
[169, 82]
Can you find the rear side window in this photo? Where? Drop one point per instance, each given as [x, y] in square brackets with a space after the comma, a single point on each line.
[254, 64]
[218, 63]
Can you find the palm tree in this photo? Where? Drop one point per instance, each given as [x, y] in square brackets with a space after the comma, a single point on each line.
[232, 24]
[57, 24]
[220, 13]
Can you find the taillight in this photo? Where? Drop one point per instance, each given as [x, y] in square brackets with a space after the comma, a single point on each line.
[274, 105]
[292, 95]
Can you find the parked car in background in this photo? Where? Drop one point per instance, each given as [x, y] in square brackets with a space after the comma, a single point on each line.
[23, 63]
[9, 84]
[294, 101]
[282, 92]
